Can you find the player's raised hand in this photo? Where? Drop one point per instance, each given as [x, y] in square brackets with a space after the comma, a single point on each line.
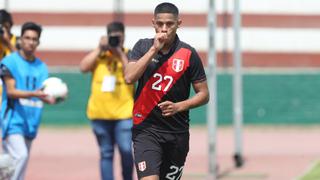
[103, 43]
[6, 36]
[159, 40]
[168, 108]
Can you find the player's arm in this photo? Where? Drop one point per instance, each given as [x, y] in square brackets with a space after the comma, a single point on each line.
[135, 69]
[123, 57]
[201, 97]
[14, 93]
[88, 62]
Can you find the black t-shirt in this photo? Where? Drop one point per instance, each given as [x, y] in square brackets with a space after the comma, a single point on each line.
[168, 77]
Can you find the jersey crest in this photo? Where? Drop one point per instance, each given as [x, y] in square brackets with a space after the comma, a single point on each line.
[177, 65]
[142, 166]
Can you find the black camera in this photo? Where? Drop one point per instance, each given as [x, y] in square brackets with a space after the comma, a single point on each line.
[1, 30]
[114, 41]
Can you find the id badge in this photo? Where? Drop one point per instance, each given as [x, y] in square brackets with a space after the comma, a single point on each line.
[108, 84]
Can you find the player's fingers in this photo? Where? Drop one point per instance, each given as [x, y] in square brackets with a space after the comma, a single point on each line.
[163, 37]
[163, 106]
[166, 110]
[166, 114]
[165, 103]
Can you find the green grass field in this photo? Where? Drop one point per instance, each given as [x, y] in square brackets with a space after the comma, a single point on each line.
[313, 173]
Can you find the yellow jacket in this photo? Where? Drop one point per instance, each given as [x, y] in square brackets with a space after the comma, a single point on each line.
[4, 51]
[111, 98]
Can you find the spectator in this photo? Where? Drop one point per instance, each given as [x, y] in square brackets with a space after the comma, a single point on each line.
[8, 41]
[111, 100]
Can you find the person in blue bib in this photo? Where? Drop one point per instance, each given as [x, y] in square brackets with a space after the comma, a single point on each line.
[23, 75]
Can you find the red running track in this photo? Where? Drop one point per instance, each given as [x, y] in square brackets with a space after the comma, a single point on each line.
[271, 153]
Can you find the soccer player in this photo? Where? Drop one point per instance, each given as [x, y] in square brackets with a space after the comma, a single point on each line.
[165, 69]
[23, 75]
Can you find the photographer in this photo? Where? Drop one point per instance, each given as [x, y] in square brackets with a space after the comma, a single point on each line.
[8, 41]
[111, 101]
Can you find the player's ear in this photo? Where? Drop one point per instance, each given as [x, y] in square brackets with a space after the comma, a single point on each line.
[153, 22]
[179, 22]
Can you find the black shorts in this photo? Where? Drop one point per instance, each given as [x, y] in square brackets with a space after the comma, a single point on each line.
[158, 153]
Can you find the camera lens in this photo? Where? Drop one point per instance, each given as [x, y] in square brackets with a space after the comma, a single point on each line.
[1, 30]
[114, 41]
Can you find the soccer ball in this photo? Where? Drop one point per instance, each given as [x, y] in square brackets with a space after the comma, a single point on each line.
[55, 87]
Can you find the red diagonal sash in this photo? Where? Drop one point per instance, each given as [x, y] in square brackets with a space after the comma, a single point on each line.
[160, 83]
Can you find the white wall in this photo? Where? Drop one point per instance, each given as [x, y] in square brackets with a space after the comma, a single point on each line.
[189, 6]
[253, 39]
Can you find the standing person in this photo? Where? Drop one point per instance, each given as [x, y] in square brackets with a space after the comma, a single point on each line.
[165, 68]
[8, 41]
[111, 100]
[8, 44]
[23, 75]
